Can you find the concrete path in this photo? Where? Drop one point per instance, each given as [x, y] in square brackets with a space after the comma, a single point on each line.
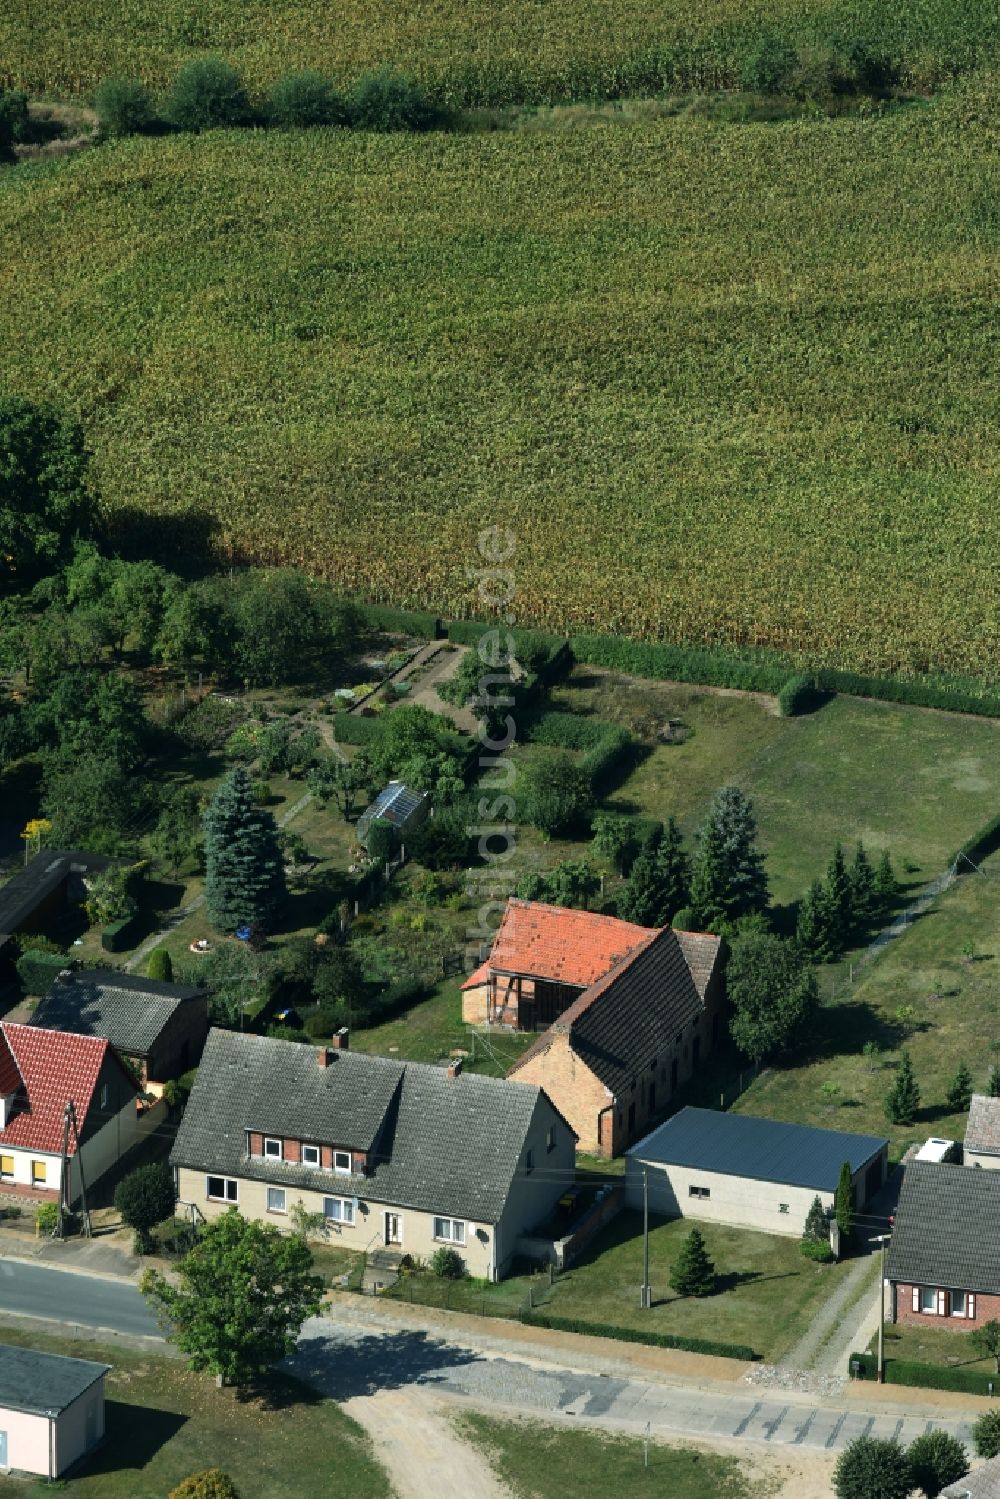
[815, 1349]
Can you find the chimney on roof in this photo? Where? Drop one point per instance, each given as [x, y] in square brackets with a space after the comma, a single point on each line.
[454, 1066]
[322, 1056]
[340, 1039]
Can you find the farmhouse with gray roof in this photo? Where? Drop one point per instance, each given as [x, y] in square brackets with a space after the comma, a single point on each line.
[943, 1260]
[161, 1027]
[392, 1154]
[982, 1134]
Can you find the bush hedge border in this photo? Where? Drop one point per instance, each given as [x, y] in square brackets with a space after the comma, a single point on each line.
[924, 1376]
[637, 1335]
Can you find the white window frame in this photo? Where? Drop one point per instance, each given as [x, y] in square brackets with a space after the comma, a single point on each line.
[348, 1210]
[702, 1192]
[315, 1151]
[104, 1095]
[274, 1155]
[454, 1233]
[965, 1304]
[927, 1293]
[284, 1200]
[227, 1182]
[342, 1170]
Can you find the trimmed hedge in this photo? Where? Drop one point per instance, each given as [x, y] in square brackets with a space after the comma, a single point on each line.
[38, 971]
[983, 843]
[925, 1376]
[647, 658]
[355, 728]
[119, 935]
[636, 1335]
[604, 744]
[800, 695]
[919, 692]
[416, 622]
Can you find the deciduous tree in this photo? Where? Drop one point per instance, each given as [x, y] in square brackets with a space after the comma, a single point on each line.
[772, 992]
[937, 1460]
[46, 499]
[872, 1468]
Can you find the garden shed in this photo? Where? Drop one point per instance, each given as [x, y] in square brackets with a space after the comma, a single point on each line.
[396, 807]
[749, 1172]
[51, 1410]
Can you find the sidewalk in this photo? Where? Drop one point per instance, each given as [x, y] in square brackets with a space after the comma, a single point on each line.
[107, 1255]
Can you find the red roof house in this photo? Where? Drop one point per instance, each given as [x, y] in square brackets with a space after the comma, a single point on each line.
[41, 1071]
[543, 957]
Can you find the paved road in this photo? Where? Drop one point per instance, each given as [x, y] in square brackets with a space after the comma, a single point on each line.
[28, 1290]
[380, 1359]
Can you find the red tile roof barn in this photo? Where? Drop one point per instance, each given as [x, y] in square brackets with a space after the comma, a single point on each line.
[54, 1067]
[562, 945]
[480, 976]
[10, 1078]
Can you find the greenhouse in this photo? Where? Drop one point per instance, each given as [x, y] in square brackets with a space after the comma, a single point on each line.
[398, 808]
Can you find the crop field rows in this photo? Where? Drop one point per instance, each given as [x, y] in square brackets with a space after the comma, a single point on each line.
[492, 52]
[722, 384]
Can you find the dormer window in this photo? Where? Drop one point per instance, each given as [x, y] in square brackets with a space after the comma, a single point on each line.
[342, 1162]
[310, 1155]
[273, 1148]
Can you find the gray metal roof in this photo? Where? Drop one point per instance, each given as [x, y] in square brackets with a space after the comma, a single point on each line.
[947, 1229]
[43, 1383]
[129, 1012]
[434, 1143]
[982, 1133]
[794, 1155]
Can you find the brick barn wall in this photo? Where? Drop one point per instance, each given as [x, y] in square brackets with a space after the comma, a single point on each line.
[576, 1092]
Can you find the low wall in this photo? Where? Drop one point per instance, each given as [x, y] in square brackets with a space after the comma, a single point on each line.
[562, 1252]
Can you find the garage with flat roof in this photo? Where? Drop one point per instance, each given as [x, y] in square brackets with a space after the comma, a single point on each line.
[747, 1171]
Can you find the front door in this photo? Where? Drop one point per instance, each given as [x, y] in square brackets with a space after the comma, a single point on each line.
[393, 1228]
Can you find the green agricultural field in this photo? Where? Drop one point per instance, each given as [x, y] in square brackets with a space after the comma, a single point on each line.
[720, 383]
[955, 999]
[482, 51]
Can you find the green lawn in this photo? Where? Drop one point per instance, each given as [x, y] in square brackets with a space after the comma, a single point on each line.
[164, 1423]
[544, 1462]
[927, 1344]
[957, 1017]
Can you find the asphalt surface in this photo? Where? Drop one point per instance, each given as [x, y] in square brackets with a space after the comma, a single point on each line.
[72, 1299]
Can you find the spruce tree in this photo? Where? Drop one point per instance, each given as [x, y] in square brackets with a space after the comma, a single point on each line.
[861, 880]
[708, 880]
[993, 1083]
[658, 882]
[837, 893]
[903, 1098]
[960, 1092]
[693, 1273]
[244, 871]
[730, 830]
[814, 928]
[843, 1204]
[886, 884]
[160, 966]
[817, 1226]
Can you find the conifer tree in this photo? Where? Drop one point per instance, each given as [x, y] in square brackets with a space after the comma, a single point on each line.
[160, 966]
[903, 1098]
[837, 893]
[960, 1092]
[861, 880]
[730, 833]
[886, 884]
[843, 1204]
[693, 1273]
[813, 929]
[244, 871]
[993, 1083]
[708, 880]
[659, 881]
[817, 1226]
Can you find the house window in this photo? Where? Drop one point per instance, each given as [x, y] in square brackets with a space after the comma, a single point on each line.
[220, 1189]
[529, 1162]
[928, 1300]
[699, 1191]
[959, 1304]
[38, 1173]
[451, 1230]
[7, 1167]
[338, 1209]
[273, 1148]
[550, 1137]
[782, 1207]
[276, 1200]
[342, 1162]
[310, 1155]
[104, 1095]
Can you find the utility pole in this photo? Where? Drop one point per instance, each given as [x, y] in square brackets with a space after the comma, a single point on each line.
[65, 1203]
[647, 1298]
[881, 1311]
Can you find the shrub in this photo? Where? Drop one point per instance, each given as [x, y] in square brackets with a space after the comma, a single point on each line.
[305, 99]
[38, 971]
[415, 622]
[46, 1218]
[814, 1250]
[13, 121]
[260, 791]
[986, 1434]
[387, 101]
[144, 1198]
[212, 1483]
[871, 1468]
[119, 936]
[937, 1459]
[160, 966]
[639, 1335]
[124, 107]
[556, 794]
[208, 94]
[447, 1263]
[800, 695]
[768, 65]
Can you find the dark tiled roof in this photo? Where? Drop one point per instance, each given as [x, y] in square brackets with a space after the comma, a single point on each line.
[448, 1145]
[794, 1155]
[43, 1383]
[560, 944]
[129, 1012]
[701, 954]
[947, 1229]
[26, 890]
[631, 1017]
[982, 1483]
[982, 1133]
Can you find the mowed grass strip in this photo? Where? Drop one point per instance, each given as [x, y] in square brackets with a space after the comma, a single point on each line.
[719, 383]
[477, 51]
[543, 1462]
[164, 1423]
